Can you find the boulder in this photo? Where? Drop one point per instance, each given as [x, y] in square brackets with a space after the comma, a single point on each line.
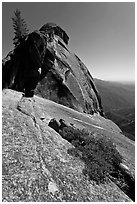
[21, 66]
[63, 79]
[63, 124]
[54, 124]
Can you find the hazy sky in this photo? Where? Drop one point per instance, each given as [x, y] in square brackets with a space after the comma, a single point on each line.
[101, 34]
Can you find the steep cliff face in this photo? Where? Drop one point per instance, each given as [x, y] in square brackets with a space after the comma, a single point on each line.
[64, 78]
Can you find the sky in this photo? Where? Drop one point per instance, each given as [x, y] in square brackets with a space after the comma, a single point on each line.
[102, 34]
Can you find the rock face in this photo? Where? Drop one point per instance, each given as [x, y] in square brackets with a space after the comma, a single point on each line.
[64, 78]
[40, 166]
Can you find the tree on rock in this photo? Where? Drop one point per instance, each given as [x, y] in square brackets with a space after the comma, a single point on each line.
[20, 28]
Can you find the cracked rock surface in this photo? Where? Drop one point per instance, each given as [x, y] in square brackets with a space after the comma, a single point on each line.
[37, 166]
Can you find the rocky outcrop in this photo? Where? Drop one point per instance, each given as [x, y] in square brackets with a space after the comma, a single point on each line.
[64, 78]
[40, 166]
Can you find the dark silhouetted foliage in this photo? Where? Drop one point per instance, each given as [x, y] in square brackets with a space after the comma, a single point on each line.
[20, 28]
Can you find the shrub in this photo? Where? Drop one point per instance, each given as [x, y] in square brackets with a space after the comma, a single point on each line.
[70, 133]
[101, 157]
[99, 153]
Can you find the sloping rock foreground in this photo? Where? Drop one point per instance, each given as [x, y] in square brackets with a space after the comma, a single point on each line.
[39, 165]
[63, 78]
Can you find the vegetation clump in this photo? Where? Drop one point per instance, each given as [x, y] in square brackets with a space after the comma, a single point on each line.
[98, 152]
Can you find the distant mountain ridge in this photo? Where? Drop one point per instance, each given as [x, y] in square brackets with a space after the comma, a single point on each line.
[118, 101]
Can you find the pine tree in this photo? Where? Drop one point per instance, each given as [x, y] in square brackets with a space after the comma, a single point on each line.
[20, 28]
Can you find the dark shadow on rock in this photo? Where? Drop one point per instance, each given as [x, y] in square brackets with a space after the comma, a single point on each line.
[128, 184]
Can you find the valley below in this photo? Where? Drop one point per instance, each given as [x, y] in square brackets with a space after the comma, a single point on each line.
[118, 101]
